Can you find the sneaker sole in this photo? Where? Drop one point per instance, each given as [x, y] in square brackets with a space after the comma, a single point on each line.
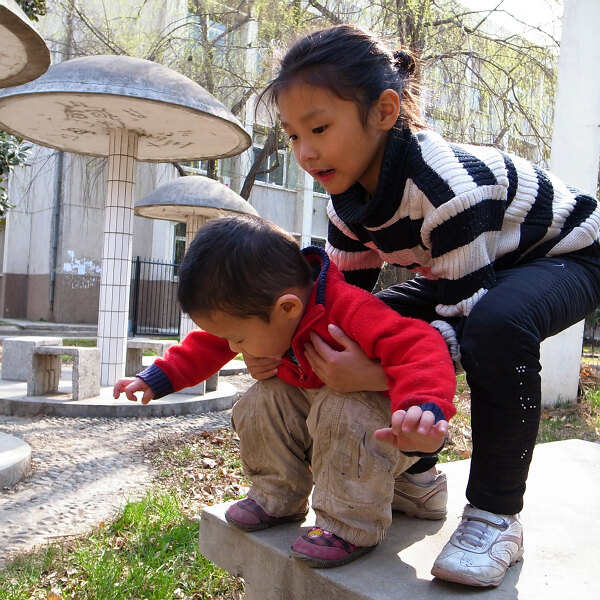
[321, 563]
[454, 577]
[271, 523]
[429, 515]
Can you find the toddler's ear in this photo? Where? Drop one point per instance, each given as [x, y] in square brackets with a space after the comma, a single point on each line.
[289, 306]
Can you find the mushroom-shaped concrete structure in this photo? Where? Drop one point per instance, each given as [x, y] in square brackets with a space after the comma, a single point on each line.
[23, 52]
[127, 109]
[191, 200]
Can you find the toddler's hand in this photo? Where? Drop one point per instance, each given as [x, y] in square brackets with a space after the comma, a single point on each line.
[130, 385]
[414, 430]
[261, 367]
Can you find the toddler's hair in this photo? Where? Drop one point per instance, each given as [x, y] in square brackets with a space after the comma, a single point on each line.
[354, 65]
[239, 265]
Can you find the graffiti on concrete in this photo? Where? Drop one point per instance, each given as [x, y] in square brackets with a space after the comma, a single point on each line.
[85, 272]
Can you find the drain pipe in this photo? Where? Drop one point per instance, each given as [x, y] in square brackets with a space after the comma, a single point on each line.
[58, 190]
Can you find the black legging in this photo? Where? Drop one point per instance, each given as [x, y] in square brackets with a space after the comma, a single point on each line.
[500, 352]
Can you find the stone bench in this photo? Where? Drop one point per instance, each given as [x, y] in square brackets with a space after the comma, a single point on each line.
[135, 352]
[134, 363]
[46, 366]
[561, 523]
[16, 355]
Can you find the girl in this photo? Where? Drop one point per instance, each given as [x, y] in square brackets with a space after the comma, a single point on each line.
[507, 255]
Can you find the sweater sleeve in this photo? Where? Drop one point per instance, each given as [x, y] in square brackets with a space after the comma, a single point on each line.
[416, 360]
[199, 356]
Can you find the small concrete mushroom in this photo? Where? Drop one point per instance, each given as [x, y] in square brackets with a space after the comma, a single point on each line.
[127, 109]
[23, 52]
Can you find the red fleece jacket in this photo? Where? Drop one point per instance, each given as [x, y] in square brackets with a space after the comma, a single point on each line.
[413, 354]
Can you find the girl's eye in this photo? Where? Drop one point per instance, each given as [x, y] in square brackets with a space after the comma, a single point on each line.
[292, 138]
[320, 129]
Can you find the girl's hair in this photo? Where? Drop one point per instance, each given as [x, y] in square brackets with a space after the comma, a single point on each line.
[354, 65]
[240, 265]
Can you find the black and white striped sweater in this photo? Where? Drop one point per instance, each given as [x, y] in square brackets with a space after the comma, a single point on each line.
[455, 213]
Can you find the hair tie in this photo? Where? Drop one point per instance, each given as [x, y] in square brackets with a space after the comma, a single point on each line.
[404, 62]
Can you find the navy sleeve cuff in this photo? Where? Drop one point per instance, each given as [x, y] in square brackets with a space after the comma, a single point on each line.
[439, 416]
[435, 409]
[157, 380]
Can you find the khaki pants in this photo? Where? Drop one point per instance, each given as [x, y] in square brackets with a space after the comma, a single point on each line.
[283, 430]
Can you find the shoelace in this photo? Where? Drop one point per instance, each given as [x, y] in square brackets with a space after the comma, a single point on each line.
[472, 533]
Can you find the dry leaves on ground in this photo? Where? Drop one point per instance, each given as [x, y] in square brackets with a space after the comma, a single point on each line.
[205, 467]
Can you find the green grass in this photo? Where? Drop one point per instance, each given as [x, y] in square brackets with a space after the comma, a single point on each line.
[82, 342]
[149, 553]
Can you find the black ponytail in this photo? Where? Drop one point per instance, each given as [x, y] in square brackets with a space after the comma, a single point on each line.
[355, 66]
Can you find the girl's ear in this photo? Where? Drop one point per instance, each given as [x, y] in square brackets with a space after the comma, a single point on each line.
[288, 306]
[387, 109]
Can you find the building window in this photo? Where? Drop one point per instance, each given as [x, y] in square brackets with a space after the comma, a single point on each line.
[195, 167]
[280, 169]
[178, 246]
[318, 188]
[274, 169]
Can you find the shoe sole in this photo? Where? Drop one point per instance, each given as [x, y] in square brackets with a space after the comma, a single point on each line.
[429, 515]
[454, 577]
[321, 563]
[271, 523]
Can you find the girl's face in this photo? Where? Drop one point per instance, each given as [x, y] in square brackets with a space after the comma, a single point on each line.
[329, 140]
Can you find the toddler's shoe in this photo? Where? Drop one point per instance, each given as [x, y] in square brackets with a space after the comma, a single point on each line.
[481, 549]
[249, 516]
[424, 500]
[321, 549]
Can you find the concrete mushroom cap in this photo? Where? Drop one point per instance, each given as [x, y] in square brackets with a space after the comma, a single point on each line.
[76, 103]
[191, 196]
[23, 52]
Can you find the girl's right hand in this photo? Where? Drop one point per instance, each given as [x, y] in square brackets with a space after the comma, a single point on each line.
[346, 370]
[261, 367]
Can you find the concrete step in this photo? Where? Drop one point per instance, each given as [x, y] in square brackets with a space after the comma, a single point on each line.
[561, 522]
[15, 459]
[17, 327]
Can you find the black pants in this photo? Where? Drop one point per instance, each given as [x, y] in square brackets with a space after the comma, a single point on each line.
[500, 349]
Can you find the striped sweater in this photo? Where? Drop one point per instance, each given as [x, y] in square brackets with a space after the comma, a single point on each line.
[456, 213]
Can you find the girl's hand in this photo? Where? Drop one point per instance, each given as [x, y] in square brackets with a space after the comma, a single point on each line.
[347, 370]
[414, 430]
[129, 386]
[261, 367]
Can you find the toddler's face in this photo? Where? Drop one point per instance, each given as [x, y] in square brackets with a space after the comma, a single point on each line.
[249, 335]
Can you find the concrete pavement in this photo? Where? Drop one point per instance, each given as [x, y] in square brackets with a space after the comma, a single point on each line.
[561, 531]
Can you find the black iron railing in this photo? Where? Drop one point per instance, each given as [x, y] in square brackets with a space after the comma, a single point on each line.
[153, 307]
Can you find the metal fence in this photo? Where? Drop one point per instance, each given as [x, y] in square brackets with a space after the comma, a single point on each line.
[153, 306]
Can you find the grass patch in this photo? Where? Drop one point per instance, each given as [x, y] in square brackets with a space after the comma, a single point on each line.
[149, 553]
[82, 342]
[575, 420]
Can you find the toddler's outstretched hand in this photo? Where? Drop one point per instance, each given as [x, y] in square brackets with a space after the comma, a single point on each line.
[130, 385]
[414, 430]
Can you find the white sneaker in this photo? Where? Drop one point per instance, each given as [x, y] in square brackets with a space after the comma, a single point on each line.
[422, 500]
[483, 546]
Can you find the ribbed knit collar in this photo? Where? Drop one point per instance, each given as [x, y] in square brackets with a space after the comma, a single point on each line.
[355, 206]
